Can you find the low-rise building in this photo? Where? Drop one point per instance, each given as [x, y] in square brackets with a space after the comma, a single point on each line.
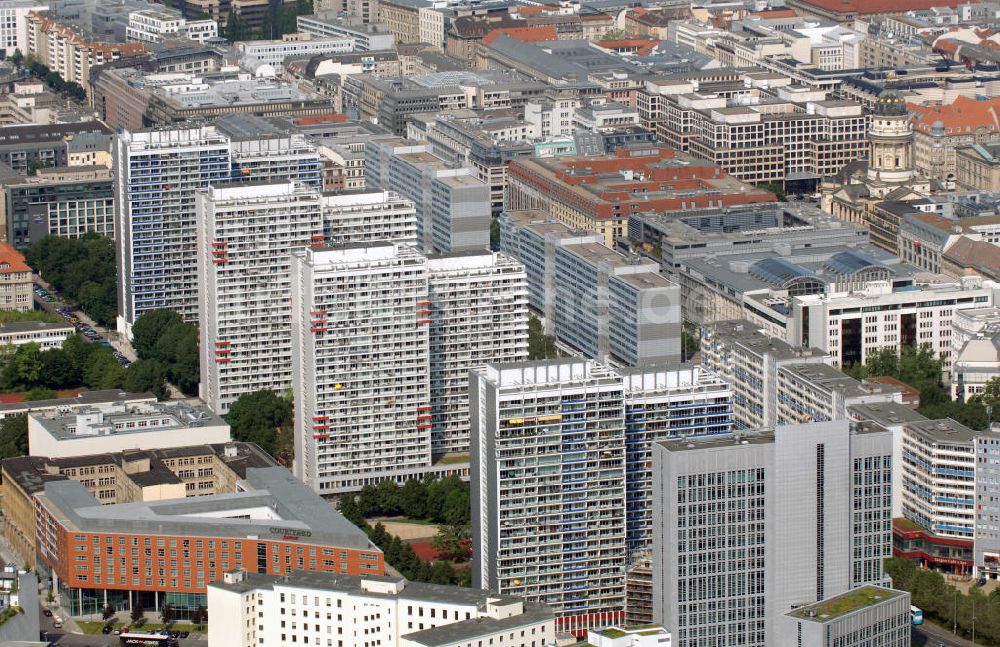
[67, 202]
[254, 53]
[101, 399]
[367, 36]
[977, 167]
[250, 610]
[869, 615]
[15, 280]
[153, 26]
[269, 523]
[80, 431]
[46, 335]
[645, 635]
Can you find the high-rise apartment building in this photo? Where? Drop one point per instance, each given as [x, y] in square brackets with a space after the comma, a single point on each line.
[156, 176]
[157, 173]
[360, 330]
[452, 203]
[246, 233]
[478, 307]
[660, 404]
[751, 525]
[548, 487]
[606, 305]
[370, 216]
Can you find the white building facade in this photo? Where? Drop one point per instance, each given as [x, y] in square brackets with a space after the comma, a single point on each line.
[478, 311]
[371, 216]
[360, 365]
[249, 610]
[246, 234]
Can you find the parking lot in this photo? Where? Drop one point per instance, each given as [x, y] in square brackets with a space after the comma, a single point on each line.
[48, 300]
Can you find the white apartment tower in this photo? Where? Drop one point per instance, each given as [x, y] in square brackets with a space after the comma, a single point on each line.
[360, 366]
[372, 216]
[478, 308]
[246, 233]
[548, 487]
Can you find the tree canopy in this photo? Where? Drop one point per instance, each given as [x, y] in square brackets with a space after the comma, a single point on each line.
[164, 338]
[82, 269]
[540, 345]
[265, 418]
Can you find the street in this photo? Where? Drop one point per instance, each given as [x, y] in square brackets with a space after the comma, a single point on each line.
[937, 636]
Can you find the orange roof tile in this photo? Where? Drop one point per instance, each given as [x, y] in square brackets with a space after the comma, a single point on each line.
[530, 11]
[12, 260]
[535, 34]
[313, 120]
[963, 114]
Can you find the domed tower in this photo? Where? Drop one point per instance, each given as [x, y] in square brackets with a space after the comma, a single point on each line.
[890, 159]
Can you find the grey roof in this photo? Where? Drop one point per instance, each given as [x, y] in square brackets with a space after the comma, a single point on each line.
[833, 379]
[298, 510]
[32, 326]
[759, 437]
[467, 630]
[886, 414]
[181, 415]
[945, 430]
[106, 396]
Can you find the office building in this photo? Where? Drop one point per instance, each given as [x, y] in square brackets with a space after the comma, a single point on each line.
[387, 610]
[133, 475]
[67, 202]
[153, 26]
[761, 129]
[805, 513]
[46, 335]
[14, 18]
[360, 366]
[453, 205]
[871, 615]
[367, 36]
[254, 53]
[660, 404]
[369, 217]
[69, 432]
[548, 487]
[51, 144]
[986, 544]
[157, 173]
[273, 524]
[625, 636]
[15, 277]
[600, 194]
[478, 307]
[246, 233]
[601, 303]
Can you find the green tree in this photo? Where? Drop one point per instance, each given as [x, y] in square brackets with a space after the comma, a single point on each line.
[28, 360]
[167, 613]
[83, 270]
[146, 375]
[540, 345]
[102, 371]
[776, 189]
[198, 616]
[453, 541]
[108, 613]
[17, 58]
[36, 165]
[137, 613]
[256, 417]
[149, 327]
[58, 369]
[36, 393]
[14, 436]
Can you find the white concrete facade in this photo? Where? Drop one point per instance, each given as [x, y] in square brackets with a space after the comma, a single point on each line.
[245, 237]
[360, 365]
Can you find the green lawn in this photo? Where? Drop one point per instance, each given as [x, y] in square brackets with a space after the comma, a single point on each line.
[418, 522]
[452, 460]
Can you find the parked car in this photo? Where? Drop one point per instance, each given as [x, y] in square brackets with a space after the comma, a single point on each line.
[106, 629]
[184, 634]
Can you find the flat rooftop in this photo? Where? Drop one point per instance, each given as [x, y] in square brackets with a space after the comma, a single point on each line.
[886, 414]
[945, 430]
[834, 379]
[846, 603]
[759, 437]
[125, 418]
[105, 396]
[277, 504]
[468, 630]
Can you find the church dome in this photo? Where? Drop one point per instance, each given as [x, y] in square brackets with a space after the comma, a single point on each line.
[890, 103]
